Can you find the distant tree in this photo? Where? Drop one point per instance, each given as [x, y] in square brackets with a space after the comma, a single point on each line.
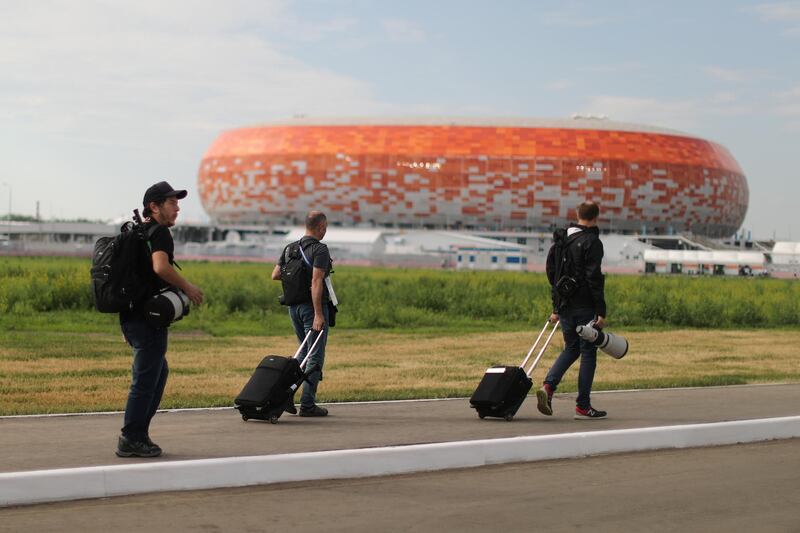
[18, 218]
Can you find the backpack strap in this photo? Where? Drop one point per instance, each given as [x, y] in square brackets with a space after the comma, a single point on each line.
[305, 259]
[149, 235]
[566, 252]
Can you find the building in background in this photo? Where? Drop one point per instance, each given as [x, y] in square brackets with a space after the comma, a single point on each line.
[473, 174]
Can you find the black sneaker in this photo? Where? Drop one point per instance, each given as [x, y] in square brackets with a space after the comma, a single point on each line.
[544, 398]
[290, 408]
[313, 411]
[589, 414]
[152, 444]
[134, 448]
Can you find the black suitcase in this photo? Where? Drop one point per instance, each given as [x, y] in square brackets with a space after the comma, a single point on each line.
[270, 390]
[503, 388]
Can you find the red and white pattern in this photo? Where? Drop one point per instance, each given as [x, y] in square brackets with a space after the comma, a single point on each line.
[473, 175]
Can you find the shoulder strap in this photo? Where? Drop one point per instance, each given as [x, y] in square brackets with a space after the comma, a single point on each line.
[300, 246]
[149, 235]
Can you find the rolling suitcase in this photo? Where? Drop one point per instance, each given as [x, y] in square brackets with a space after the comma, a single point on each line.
[503, 388]
[270, 390]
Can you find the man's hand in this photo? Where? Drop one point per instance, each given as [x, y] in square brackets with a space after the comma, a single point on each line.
[553, 318]
[319, 322]
[194, 293]
[600, 322]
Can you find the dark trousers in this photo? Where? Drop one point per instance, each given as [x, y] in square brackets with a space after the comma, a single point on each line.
[149, 376]
[575, 347]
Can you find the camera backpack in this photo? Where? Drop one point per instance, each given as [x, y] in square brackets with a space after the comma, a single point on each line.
[560, 268]
[295, 275]
[117, 283]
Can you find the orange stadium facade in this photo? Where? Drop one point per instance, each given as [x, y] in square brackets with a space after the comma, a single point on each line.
[473, 173]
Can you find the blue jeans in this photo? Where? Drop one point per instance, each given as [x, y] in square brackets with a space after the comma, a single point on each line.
[302, 316]
[574, 346]
[149, 376]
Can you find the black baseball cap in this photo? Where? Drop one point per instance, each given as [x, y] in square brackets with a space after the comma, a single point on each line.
[161, 190]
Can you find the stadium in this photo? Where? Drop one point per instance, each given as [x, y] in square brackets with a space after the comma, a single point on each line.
[496, 174]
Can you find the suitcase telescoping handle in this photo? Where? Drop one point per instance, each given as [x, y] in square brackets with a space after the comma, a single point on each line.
[295, 386]
[299, 348]
[541, 351]
[310, 350]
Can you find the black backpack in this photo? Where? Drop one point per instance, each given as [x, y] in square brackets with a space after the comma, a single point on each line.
[117, 280]
[560, 269]
[295, 275]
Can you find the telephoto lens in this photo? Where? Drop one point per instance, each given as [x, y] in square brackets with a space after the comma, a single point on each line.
[611, 344]
[166, 307]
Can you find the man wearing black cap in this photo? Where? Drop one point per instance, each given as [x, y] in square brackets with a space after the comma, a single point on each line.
[149, 343]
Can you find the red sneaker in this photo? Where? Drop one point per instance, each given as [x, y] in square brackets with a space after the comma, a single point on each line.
[589, 414]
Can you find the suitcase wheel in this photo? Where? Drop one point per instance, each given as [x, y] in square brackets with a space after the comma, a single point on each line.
[481, 416]
[509, 417]
[245, 418]
[273, 419]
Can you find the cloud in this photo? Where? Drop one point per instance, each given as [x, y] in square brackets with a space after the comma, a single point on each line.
[118, 73]
[785, 13]
[571, 18]
[403, 31]
[677, 114]
[613, 68]
[723, 98]
[735, 75]
[788, 103]
[559, 85]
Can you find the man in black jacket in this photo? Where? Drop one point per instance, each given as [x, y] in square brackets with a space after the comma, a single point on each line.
[578, 265]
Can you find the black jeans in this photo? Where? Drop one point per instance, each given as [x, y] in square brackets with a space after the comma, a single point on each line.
[574, 346]
[149, 376]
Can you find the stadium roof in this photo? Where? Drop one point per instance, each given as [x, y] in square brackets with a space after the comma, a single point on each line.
[579, 122]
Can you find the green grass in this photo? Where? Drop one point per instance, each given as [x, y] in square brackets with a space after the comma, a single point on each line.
[241, 299]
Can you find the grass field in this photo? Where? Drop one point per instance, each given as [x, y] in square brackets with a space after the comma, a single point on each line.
[43, 372]
[401, 334]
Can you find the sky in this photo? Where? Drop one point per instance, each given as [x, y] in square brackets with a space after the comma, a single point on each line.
[99, 99]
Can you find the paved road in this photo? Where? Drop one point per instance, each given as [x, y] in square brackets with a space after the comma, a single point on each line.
[754, 487]
[57, 442]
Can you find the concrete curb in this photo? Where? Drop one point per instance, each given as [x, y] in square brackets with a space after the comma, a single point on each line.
[21, 488]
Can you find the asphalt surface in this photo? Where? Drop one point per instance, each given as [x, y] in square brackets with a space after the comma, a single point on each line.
[34, 443]
[752, 487]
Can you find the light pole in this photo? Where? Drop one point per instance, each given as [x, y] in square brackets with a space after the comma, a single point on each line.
[8, 222]
[9, 202]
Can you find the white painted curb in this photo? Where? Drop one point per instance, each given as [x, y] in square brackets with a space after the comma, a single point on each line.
[19, 488]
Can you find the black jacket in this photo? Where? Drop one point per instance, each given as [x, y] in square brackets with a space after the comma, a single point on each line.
[585, 257]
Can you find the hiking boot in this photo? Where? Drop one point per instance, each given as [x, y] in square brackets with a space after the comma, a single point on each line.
[313, 411]
[136, 448]
[544, 398]
[589, 414]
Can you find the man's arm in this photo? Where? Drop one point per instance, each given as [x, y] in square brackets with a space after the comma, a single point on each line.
[317, 287]
[167, 272]
[276, 273]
